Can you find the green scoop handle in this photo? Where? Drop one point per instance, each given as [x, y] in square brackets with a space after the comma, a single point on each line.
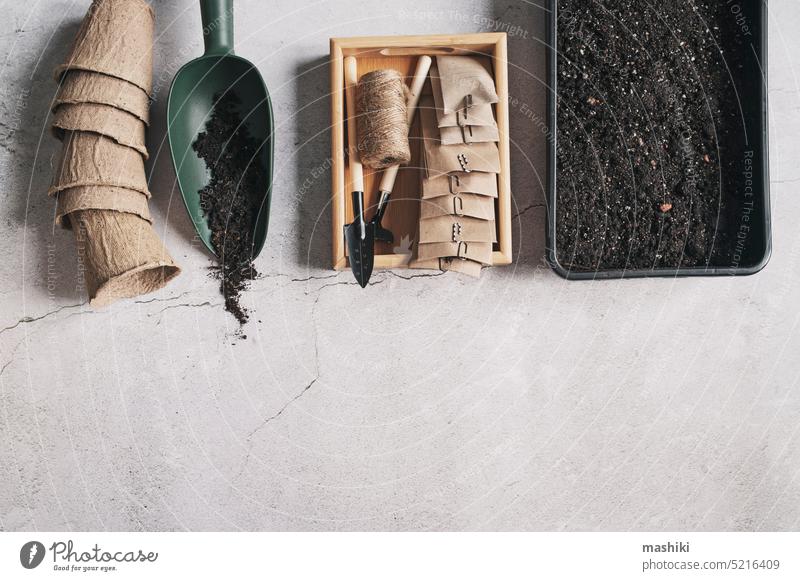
[217, 26]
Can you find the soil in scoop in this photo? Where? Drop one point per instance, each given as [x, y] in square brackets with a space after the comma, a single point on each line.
[650, 133]
[230, 200]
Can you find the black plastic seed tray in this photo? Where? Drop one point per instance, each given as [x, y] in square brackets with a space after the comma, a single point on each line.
[750, 225]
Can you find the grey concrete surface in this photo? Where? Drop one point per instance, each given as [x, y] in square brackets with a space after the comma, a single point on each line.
[517, 402]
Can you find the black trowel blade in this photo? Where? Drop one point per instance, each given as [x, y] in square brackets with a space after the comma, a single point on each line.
[360, 251]
[360, 245]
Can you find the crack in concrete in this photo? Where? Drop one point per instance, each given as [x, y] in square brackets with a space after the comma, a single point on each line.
[249, 438]
[165, 300]
[26, 320]
[3, 369]
[195, 305]
[13, 357]
[526, 209]
[182, 305]
[354, 283]
[413, 276]
[310, 278]
[291, 280]
[307, 387]
[277, 414]
[282, 275]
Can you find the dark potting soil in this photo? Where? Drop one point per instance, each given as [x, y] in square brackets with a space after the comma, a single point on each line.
[650, 134]
[230, 199]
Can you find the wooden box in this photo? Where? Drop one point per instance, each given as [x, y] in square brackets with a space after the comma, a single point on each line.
[402, 217]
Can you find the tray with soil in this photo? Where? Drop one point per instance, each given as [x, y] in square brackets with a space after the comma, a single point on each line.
[658, 150]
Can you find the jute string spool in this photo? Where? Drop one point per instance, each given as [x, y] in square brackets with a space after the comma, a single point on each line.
[382, 119]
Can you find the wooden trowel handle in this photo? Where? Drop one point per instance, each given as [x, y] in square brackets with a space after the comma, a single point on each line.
[415, 91]
[350, 82]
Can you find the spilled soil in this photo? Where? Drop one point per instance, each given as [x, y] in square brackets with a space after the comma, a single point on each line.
[650, 133]
[231, 199]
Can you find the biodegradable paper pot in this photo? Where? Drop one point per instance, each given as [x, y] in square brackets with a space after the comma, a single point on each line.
[89, 159]
[121, 254]
[99, 198]
[115, 38]
[121, 126]
[89, 87]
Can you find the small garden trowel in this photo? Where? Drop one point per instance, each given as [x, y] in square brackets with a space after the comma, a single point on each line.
[360, 234]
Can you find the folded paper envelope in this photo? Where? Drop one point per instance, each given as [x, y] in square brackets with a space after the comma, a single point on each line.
[456, 229]
[470, 205]
[462, 78]
[482, 184]
[468, 134]
[441, 159]
[476, 251]
[477, 115]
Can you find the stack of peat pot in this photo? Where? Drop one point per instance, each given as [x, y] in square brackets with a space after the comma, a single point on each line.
[101, 113]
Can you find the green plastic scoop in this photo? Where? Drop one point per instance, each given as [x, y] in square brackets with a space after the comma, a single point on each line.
[191, 101]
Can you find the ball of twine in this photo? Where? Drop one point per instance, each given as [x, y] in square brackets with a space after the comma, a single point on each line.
[382, 119]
